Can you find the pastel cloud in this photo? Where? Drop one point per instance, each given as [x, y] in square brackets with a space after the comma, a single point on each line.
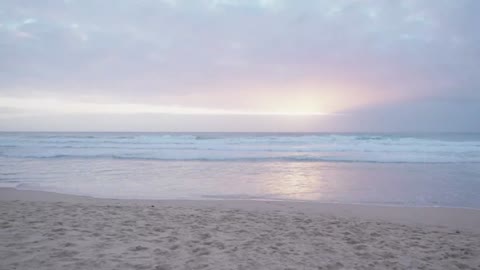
[240, 56]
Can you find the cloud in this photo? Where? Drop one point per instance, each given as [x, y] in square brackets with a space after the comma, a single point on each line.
[427, 115]
[239, 55]
[53, 106]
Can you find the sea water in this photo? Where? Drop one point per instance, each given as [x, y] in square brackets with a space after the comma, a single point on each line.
[393, 169]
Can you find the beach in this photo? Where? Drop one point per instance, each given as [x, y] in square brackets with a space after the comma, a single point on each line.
[42, 230]
[239, 135]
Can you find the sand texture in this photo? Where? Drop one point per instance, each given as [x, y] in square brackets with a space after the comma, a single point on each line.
[106, 234]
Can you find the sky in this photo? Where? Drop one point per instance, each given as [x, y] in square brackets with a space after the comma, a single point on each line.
[233, 65]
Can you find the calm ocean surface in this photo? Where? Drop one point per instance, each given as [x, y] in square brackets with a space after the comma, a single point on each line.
[393, 169]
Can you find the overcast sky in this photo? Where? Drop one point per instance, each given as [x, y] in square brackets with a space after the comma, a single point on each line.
[240, 65]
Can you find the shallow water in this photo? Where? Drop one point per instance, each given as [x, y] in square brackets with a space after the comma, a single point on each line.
[433, 170]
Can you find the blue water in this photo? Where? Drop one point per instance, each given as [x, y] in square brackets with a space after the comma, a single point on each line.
[389, 148]
[399, 169]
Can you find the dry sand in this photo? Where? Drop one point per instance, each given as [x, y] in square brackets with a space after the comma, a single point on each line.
[40, 230]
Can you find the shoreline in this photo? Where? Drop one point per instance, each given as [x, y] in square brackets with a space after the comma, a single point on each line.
[45, 230]
[47, 193]
[448, 217]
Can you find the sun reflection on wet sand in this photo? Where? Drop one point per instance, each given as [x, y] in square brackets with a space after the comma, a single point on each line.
[393, 184]
[295, 181]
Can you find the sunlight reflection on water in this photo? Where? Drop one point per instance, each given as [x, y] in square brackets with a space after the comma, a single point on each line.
[399, 184]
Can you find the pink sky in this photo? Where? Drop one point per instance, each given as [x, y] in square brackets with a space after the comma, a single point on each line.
[253, 65]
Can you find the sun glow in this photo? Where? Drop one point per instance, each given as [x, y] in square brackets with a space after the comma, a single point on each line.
[55, 106]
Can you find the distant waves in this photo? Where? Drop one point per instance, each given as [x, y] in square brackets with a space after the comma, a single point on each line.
[378, 148]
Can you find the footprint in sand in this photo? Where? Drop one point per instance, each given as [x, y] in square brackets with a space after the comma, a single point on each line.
[162, 267]
[138, 248]
[201, 251]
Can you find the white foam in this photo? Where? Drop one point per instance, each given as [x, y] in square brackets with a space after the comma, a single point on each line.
[288, 147]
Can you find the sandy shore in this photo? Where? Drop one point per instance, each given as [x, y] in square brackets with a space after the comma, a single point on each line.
[40, 230]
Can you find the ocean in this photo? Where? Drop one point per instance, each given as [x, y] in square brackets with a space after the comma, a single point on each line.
[385, 169]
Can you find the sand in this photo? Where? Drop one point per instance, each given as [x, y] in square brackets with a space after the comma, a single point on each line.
[40, 230]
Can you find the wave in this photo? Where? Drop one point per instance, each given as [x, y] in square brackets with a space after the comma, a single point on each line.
[244, 147]
[256, 159]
